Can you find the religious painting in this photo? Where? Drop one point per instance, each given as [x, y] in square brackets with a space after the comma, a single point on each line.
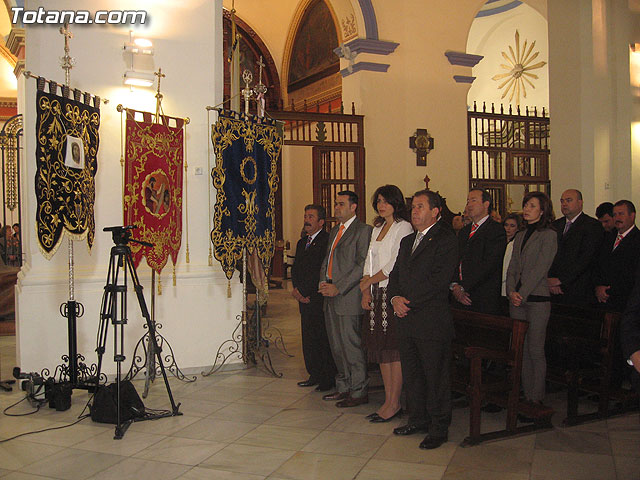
[312, 56]
[74, 156]
[156, 191]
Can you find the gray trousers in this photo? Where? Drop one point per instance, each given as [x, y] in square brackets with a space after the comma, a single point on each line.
[344, 338]
[534, 363]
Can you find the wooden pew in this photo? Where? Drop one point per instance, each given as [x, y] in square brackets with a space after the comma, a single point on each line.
[581, 348]
[490, 337]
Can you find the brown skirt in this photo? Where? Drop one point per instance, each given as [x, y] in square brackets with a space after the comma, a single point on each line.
[379, 329]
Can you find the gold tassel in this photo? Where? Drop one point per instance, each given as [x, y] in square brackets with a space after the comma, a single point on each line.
[210, 257]
[159, 285]
[187, 255]
[174, 272]
[228, 288]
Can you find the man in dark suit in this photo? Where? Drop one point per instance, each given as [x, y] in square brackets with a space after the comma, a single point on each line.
[630, 332]
[618, 259]
[418, 287]
[305, 272]
[477, 281]
[340, 276]
[579, 239]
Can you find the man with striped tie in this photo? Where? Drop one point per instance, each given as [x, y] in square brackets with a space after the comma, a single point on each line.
[340, 276]
[570, 277]
[310, 253]
[618, 259]
[477, 282]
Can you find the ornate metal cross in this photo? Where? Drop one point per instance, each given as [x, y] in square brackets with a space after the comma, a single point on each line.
[247, 92]
[67, 61]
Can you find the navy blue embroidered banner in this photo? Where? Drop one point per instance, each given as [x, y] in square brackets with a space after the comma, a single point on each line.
[247, 149]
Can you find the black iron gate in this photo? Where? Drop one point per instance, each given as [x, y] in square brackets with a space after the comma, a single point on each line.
[10, 235]
[508, 154]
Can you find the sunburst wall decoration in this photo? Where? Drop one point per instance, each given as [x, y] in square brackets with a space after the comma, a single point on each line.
[519, 71]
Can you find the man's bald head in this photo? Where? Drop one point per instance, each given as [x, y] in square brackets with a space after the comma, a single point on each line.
[571, 203]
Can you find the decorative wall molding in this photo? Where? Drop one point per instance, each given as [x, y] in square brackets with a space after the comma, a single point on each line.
[366, 45]
[493, 7]
[370, 22]
[462, 58]
[463, 79]
[368, 66]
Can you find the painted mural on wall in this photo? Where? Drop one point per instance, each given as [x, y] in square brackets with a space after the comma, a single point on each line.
[312, 56]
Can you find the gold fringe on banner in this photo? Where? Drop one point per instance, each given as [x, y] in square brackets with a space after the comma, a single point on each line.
[209, 193]
[185, 196]
[174, 275]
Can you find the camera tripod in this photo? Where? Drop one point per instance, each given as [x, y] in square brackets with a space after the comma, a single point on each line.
[114, 310]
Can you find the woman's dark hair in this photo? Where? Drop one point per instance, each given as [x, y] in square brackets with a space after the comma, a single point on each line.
[394, 197]
[514, 216]
[545, 205]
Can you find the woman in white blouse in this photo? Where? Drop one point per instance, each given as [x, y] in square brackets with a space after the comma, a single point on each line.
[512, 224]
[378, 332]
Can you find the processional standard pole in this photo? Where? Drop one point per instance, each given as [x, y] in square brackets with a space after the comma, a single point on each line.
[72, 309]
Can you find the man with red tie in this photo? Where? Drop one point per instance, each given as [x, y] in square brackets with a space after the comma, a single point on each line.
[340, 276]
[618, 259]
[477, 282]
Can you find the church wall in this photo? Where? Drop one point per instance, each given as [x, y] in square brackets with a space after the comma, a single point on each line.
[297, 190]
[490, 36]
[417, 91]
[196, 314]
[590, 100]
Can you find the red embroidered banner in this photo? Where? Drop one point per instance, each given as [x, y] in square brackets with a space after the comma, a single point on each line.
[153, 186]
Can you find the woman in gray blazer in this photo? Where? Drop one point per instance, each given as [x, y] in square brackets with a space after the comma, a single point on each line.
[528, 291]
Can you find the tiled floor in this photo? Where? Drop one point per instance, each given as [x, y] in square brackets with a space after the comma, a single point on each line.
[250, 425]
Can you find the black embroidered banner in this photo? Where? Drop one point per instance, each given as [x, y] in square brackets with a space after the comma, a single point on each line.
[247, 149]
[67, 147]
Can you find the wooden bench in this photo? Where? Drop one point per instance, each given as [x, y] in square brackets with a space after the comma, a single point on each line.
[581, 348]
[481, 337]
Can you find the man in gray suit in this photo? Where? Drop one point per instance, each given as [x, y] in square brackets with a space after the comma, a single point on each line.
[340, 276]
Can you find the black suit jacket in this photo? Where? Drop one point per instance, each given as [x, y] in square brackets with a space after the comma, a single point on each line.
[617, 268]
[630, 327]
[576, 257]
[423, 278]
[306, 270]
[480, 258]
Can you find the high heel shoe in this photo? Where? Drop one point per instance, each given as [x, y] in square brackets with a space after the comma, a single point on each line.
[379, 419]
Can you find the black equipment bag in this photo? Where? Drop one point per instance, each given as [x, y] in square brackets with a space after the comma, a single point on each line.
[105, 401]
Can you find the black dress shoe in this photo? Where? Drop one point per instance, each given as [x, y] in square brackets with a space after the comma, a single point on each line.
[323, 388]
[430, 442]
[372, 415]
[410, 429]
[307, 383]
[379, 419]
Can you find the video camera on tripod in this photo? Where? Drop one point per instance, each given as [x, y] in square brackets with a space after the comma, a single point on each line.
[122, 235]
